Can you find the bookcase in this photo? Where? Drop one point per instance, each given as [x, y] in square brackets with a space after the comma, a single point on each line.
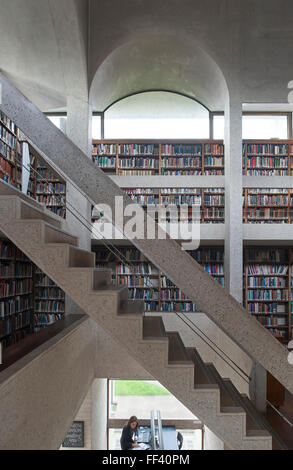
[268, 158]
[146, 283]
[268, 292]
[268, 206]
[211, 200]
[147, 158]
[28, 299]
[10, 165]
[45, 185]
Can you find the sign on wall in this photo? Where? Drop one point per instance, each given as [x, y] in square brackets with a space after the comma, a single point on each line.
[75, 435]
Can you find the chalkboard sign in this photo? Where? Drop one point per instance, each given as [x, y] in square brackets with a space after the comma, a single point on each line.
[75, 435]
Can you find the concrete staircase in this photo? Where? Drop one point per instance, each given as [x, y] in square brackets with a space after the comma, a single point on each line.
[40, 235]
[166, 254]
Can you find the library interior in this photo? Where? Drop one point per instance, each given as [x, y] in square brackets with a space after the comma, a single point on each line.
[146, 206]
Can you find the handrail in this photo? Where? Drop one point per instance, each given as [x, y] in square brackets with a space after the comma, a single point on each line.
[280, 414]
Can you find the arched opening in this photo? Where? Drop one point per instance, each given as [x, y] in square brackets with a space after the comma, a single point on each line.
[157, 114]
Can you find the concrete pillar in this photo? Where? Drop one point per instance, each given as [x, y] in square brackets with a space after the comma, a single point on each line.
[234, 227]
[99, 414]
[233, 198]
[79, 130]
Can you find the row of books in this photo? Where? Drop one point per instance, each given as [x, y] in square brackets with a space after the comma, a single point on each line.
[15, 305]
[267, 270]
[267, 213]
[45, 319]
[139, 162]
[181, 162]
[44, 173]
[7, 137]
[8, 122]
[184, 199]
[214, 161]
[268, 294]
[104, 149]
[267, 255]
[49, 306]
[9, 288]
[267, 200]
[51, 293]
[266, 281]
[9, 325]
[268, 149]
[6, 250]
[269, 308]
[7, 152]
[267, 162]
[273, 321]
[51, 188]
[138, 149]
[52, 200]
[276, 172]
[139, 281]
[6, 171]
[137, 172]
[143, 268]
[105, 162]
[181, 149]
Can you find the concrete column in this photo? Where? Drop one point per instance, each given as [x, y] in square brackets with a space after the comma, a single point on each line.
[99, 414]
[234, 228]
[79, 130]
[233, 199]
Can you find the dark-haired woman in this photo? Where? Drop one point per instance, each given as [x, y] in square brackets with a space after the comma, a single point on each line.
[128, 433]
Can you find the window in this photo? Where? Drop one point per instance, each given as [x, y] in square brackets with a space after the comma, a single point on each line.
[157, 115]
[96, 127]
[219, 127]
[270, 126]
[58, 121]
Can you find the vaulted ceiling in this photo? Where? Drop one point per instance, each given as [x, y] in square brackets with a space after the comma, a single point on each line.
[107, 49]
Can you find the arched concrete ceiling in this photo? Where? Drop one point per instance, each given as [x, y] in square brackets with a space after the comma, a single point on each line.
[44, 49]
[250, 40]
[159, 62]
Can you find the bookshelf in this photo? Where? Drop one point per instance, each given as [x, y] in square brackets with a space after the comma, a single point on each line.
[211, 200]
[49, 305]
[45, 185]
[146, 283]
[268, 158]
[9, 151]
[26, 303]
[268, 293]
[268, 206]
[148, 158]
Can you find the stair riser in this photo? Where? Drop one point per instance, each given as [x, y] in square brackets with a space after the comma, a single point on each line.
[28, 212]
[101, 279]
[55, 236]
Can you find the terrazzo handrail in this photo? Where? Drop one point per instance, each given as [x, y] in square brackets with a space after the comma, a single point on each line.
[166, 254]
